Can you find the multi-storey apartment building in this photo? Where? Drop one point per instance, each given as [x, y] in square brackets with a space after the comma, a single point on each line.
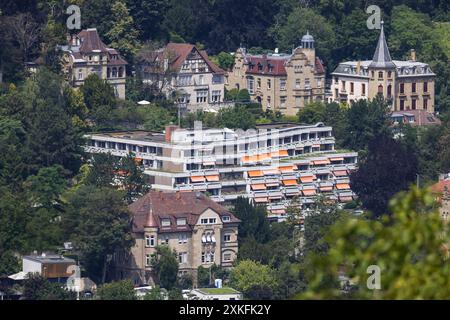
[280, 82]
[409, 85]
[181, 69]
[86, 54]
[201, 231]
[269, 165]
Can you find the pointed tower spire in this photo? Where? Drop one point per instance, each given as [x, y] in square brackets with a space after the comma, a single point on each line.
[382, 57]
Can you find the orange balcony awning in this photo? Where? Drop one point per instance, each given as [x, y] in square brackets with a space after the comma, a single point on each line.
[281, 153]
[211, 178]
[307, 179]
[320, 162]
[246, 159]
[345, 199]
[287, 168]
[271, 172]
[337, 159]
[340, 173]
[290, 182]
[309, 192]
[198, 179]
[255, 173]
[342, 186]
[260, 186]
[264, 156]
[261, 200]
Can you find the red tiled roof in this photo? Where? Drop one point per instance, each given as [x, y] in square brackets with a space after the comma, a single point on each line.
[149, 210]
[265, 61]
[90, 40]
[319, 68]
[439, 187]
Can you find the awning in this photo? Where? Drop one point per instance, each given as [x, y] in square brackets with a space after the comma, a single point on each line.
[271, 172]
[307, 179]
[275, 197]
[316, 145]
[258, 187]
[278, 211]
[326, 188]
[208, 163]
[309, 192]
[198, 179]
[273, 184]
[264, 156]
[340, 173]
[337, 159]
[320, 162]
[261, 200]
[19, 276]
[345, 199]
[246, 159]
[212, 178]
[255, 173]
[290, 182]
[289, 168]
[342, 186]
[281, 153]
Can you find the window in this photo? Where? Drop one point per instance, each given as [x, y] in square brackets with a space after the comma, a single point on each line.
[227, 238]
[402, 88]
[212, 220]
[380, 75]
[363, 89]
[380, 89]
[373, 74]
[352, 87]
[181, 221]
[425, 103]
[184, 80]
[182, 257]
[343, 86]
[204, 221]
[269, 84]
[402, 104]
[413, 104]
[208, 257]
[149, 241]
[319, 83]
[298, 102]
[165, 240]
[413, 87]
[201, 80]
[389, 90]
[283, 102]
[226, 218]
[114, 72]
[425, 87]
[202, 96]
[250, 84]
[389, 74]
[217, 79]
[258, 83]
[227, 257]
[80, 75]
[182, 238]
[268, 101]
[282, 84]
[297, 83]
[148, 260]
[165, 222]
[307, 84]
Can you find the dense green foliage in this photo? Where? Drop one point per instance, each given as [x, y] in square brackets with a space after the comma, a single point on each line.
[117, 290]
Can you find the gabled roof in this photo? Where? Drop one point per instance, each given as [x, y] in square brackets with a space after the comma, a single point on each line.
[382, 57]
[90, 41]
[151, 209]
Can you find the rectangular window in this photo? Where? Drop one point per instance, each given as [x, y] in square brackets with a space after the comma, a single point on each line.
[352, 87]
[212, 220]
[217, 79]
[227, 257]
[80, 75]
[227, 238]
[319, 83]
[182, 238]
[297, 83]
[402, 104]
[307, 84]
[149, 241]
[413, 87]
[201, 80]
[283, 102]
[363, 89]
[204, 221]
[298, 102]
[165, 222]
[181, 221]
[425, 104]
[269, 84]
[413, 104]
[148, 260]
[282, 84]
[202, 96]
[258, 83]
[250, 84]
[216, 95]
[425, 87]
[182, 257]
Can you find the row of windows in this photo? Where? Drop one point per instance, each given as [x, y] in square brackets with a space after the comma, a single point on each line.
[207, 257]
[307, 84]
[150, 240]
[380, 88]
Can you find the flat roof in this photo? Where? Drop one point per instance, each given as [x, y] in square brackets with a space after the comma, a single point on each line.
[50, 258]
[224, 290]
[141, 135]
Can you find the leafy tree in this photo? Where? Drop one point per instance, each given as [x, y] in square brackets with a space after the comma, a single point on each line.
[410, 247]
[312, 113]
[133, 181]
[165, 267]
[224, 60]
[118, 290]
[9, 264]
[203, 277]
[253, 220]
[149, 16]
[390, 167]
[104, 167]
[123, 35]
[248, 276]
[154, 294]
[37, 287]
[97, 221]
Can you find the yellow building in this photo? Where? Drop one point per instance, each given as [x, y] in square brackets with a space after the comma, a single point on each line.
[408, 85]
[280, 82]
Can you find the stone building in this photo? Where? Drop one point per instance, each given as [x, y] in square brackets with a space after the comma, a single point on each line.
[87, 54]
[408, 85]
[201, 231]
[280, 82]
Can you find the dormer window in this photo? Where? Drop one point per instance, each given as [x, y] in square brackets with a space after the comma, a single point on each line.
[226, 218]
[181, 221]
[165, 222]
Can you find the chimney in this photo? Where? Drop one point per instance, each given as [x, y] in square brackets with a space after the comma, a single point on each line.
[358, 67]
[413, 55]
[168, 132]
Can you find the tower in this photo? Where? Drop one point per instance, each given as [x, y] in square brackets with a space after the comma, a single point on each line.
[307, 45]
[382, 70]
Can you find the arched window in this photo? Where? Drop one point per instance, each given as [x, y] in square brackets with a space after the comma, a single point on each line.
[389, 90]
[380, 89]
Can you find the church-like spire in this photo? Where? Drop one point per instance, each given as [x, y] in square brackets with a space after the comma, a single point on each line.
[382, 57]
